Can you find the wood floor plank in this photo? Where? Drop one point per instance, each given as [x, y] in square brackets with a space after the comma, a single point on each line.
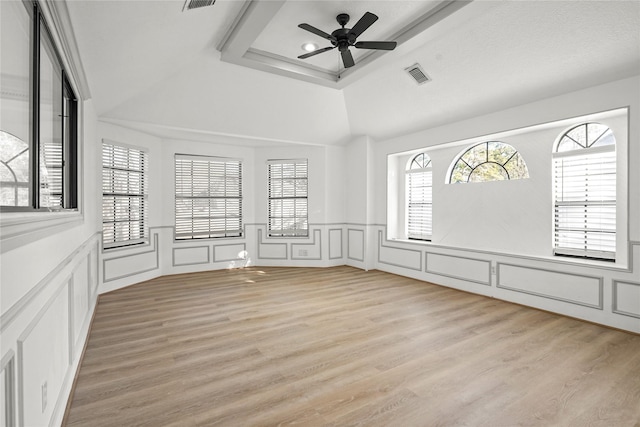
[341, 347]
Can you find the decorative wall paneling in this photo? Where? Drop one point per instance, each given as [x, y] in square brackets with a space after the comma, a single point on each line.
[229, 252]
[47, 334]
[526, 280]
[8, 387]
[626, 298]
[308, 251]
[271, 250]
[459, 267]
[133, 262]
[576, 289]
[335, 243]
[42, 339]
[356, 244]
[164, 255]
[89, 247]
[397, 256]
[193, 255]
[568, 287]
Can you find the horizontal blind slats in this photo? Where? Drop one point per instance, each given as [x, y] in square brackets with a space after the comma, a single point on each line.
[585, 203]
[420, 204]
[288, 198]
[124, 194]
[208, 201]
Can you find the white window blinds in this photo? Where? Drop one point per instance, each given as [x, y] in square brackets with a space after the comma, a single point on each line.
[585, 202]
[288, 197]
[419, 198]
[208, 197]
[420, 206]
[124, 195]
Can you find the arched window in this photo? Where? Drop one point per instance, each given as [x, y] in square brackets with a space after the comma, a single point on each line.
[584, 179]
[419, 197]
[488, 161]
[14, 170]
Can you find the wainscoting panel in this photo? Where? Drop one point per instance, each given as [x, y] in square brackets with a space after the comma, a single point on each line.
[8, 388]
[79, 299]
[456, 267]
[135, 263]
[43, 361]
[308, 251]
[230, 252]
[626, 298]
[271, 250]
[335, 243]
[399, 257]
[568, 287]
[355, 244]
[190, 256]
[94, 262]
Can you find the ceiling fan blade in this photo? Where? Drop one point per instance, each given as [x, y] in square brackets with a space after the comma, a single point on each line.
[347, 59]
[364, 23]
[317, 32]
[315, 52]
[376, 45]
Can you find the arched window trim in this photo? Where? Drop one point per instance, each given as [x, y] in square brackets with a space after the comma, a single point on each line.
[589, 146]
[417, 163]
[459, 159]
[16, 184]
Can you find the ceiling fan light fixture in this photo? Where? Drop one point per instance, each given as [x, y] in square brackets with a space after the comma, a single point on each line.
[309, 47]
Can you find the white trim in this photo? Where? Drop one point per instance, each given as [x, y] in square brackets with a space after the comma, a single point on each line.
[201, 158]
[584, 151]
[285, 161]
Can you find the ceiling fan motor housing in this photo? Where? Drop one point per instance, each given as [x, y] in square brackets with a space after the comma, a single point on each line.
[343, 38]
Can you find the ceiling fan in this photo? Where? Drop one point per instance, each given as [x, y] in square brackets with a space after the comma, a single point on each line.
[343, 37]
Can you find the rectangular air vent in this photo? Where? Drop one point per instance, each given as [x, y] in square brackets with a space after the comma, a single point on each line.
[194, 4]
[418, 74]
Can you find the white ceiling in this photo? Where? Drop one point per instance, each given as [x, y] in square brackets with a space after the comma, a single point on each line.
[229, 72]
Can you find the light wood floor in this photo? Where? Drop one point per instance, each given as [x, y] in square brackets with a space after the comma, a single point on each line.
[342, 347]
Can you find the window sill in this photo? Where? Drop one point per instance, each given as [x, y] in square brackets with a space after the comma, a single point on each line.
[19, 228]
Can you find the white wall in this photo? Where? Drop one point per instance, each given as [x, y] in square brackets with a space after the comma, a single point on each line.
[504, 216]
[163, 255]
[495, 238]
[48, 284]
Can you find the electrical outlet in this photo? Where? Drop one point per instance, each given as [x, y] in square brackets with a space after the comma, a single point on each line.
[303, 252]
[493, 269]
[44, 396]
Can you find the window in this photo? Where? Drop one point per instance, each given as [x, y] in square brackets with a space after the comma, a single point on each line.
[288, 192]
[584, 177]
[124, 195]
[419, 197]
[38, 135]
[208, 197]
[488, 161]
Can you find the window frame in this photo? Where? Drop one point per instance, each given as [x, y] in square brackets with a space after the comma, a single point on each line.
[234, 194]
[421, 168]
[459, 158]
[295, 198]
[68, 133]
[583, 154]
[141, 196]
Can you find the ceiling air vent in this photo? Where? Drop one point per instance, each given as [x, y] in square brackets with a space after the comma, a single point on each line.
[194, 4]
[418, 74]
